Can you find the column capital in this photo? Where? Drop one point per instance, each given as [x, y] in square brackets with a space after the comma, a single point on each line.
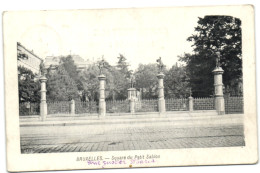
[101, 77]
[160, 75]
[131, 89]
[43, 79]
[218, 70]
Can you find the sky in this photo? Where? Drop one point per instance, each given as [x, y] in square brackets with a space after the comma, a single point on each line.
[141, 35]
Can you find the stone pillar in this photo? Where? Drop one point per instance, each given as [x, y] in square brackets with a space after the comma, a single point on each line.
[72, 107]
[132, 98]
[132, 106]
[190, 103]
[102, 101]
[161, 100]
[219, 99]
[43, 105]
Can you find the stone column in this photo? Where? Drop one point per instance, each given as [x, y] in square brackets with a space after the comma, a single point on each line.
[161, 100]
[72, 107]
[102, 101]
[43, 105]
[132, 98]
[219, 99]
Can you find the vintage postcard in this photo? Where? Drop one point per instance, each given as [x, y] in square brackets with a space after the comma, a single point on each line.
[127, 88]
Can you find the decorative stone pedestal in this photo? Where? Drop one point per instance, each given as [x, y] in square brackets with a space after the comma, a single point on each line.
[219, 99]
[132, 98]
[43, 105]
[102, 102]
[161, 100]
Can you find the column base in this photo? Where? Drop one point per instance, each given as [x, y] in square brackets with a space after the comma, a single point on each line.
[162, 114]
[132, 106]
[220, 105]
[102, 109]
[43, 111]
[221, 112]
[161, 106]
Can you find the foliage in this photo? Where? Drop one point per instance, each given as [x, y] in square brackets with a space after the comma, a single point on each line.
[60, 86]
[70, 67]
[89, 78]
[146, 80]
[214, 34]
[122, 65]
[116, 83]
[176, 83]
[29, 88]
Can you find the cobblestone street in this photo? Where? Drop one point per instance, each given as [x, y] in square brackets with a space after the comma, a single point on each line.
[84, 138]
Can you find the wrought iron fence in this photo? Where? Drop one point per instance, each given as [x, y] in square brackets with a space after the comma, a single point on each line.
[28, 108]
[62, 107]
[176, 104]
[206, 103]
[86, 107]
[234, 104]
[117, 106]
[149, 105]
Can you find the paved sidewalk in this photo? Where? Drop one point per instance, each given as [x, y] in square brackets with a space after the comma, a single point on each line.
[136, 119]
[130, 133]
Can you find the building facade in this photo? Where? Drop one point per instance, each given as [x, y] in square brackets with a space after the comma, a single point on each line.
[54, 61]
[28, 59]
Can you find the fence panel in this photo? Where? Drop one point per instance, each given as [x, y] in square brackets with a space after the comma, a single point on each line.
[86, 107]
[62, 107]
[117, 106]
[29, 109]
[234, 104]
[146, 105]
[203, 104]
[176, 104]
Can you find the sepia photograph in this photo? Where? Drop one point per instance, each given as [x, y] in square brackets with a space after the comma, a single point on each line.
[136, 87]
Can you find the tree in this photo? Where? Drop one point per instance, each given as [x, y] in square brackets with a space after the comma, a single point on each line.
[116, 84]
[212, 35]
[60, 86]
[89, 78]
[122, 65]
[146, 80]
[29, 87]
[122, 77]
[176, 83]
[70, 67]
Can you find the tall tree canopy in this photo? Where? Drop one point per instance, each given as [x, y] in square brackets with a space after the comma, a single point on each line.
[123, 65]
[146, 80]
[215, 34]
[116, 82]
[71, 69]
[60, 86]
[176, 83]
[29, 87]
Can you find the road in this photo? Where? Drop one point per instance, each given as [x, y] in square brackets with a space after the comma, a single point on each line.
[134, 136]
